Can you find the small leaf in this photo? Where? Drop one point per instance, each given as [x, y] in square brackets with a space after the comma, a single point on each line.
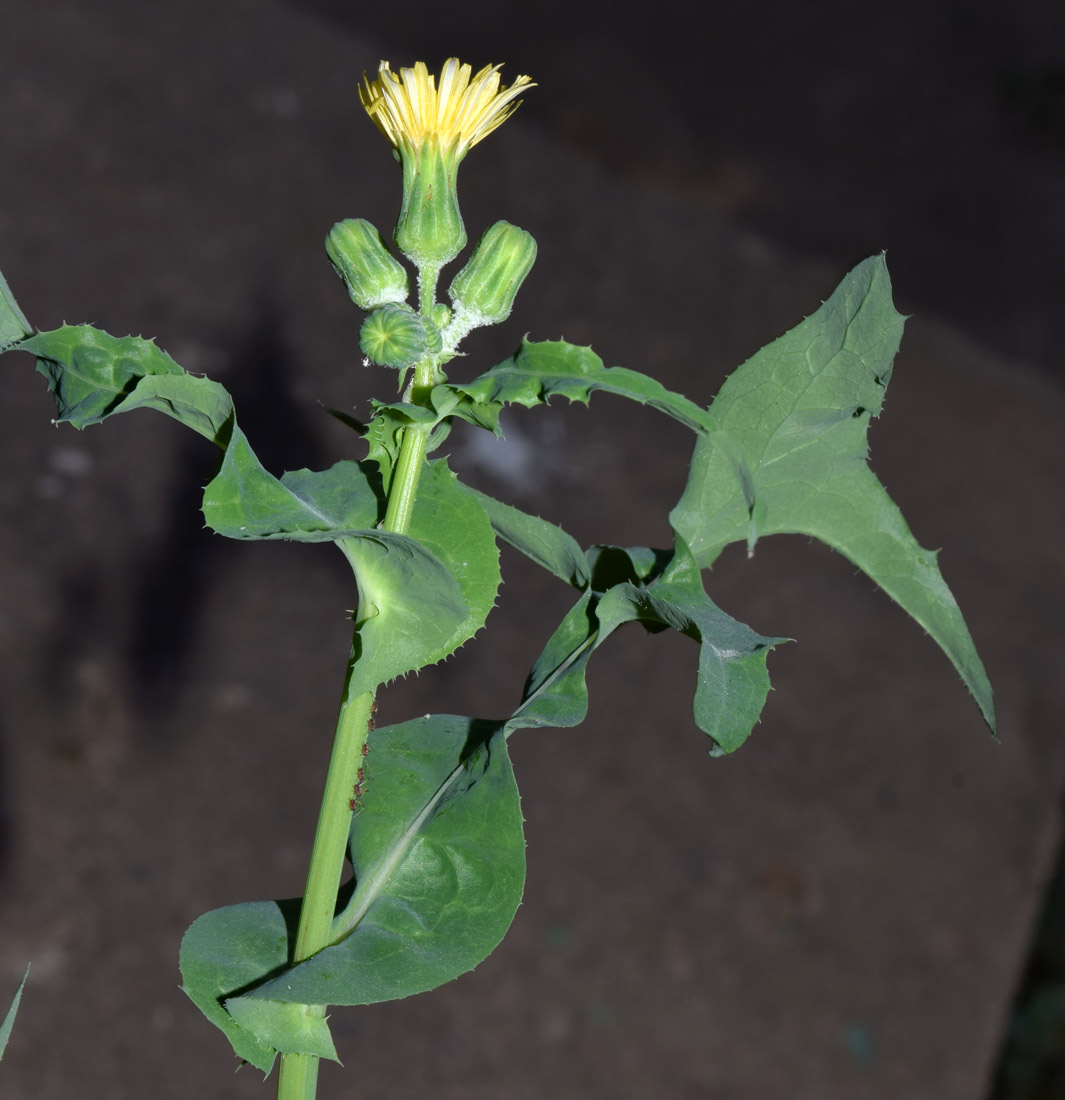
[13, 323]
[790, 456]
[9, 1018]
[285, 1027]
[556, 695]
[732, 681]
[540, 371]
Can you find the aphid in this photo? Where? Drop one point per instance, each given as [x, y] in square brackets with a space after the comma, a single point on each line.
[355, 803]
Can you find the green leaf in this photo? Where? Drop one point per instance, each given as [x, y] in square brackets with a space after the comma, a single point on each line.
[446, 403]
[556, 695]
[659, 591]
[439, 857]
[228, 950]
[94, 375]
[13, 323]
[540, 371]
[422, 596]
[443, 578]
[790, 452]
[732, 681]
[450, 521]
[9, 1018]
[282, 1026]
[410, 608]
[244, 501]
[437, 846]
[546, 544]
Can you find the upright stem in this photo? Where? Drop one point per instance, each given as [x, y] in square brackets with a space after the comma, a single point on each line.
[298, 1076]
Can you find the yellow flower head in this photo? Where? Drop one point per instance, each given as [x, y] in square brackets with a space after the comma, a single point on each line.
[409, 109]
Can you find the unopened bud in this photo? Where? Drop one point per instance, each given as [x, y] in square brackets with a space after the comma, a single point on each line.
[484, 290]
[373, 276]
[395, 336]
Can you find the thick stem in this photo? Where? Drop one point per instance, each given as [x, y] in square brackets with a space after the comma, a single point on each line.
[298, 1077]
[334, 825]
[299, 1072]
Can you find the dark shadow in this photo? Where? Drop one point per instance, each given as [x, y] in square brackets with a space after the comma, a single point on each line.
[178, 572]
[1031, 1063]
[5, 811]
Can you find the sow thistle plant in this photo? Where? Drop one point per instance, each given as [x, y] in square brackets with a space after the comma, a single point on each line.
[434, 838]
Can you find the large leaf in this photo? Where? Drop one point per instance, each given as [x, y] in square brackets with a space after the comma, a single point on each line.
[439, 857]
[420, 596]
[789, 456]
[541, 370]
[436, 586]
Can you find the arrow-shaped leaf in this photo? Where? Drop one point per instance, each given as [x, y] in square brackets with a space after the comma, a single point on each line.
[789, 456]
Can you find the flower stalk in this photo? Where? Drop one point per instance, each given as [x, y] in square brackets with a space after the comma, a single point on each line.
[431, 128]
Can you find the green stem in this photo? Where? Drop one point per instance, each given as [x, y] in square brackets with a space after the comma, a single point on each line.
[334, 825]
[298, 1076]
[405, 481]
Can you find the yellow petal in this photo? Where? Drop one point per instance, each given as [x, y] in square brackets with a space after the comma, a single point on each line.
[410, 107]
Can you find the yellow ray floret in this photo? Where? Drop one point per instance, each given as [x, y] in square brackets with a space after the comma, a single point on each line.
[410, 108]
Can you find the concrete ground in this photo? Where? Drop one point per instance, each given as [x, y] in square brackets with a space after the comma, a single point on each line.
[840, 910]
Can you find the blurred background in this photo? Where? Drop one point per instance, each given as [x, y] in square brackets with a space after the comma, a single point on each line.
[844, 908]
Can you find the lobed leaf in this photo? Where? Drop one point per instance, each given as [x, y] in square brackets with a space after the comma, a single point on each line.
[541, 370]
[790, 456]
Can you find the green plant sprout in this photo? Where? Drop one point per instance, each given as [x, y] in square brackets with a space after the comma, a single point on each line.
[434, 837]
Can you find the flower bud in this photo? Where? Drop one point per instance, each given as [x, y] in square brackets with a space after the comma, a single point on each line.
[483, 291]
[430, 230]
[395, 336]
[373, 276]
